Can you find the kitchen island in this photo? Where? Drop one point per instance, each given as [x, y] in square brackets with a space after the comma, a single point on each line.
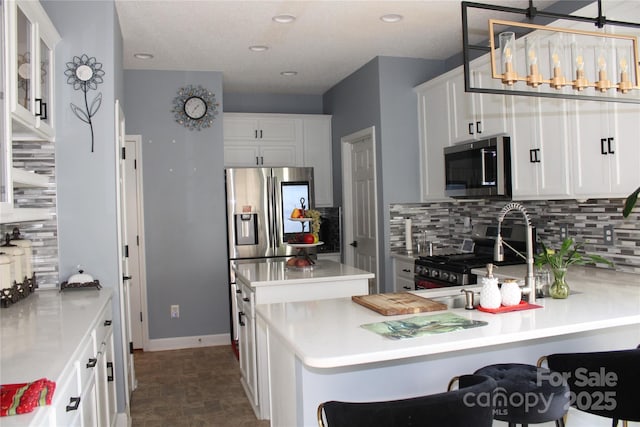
[261, 282]
[318, 351]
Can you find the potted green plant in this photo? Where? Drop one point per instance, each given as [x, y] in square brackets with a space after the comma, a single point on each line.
[559, 260]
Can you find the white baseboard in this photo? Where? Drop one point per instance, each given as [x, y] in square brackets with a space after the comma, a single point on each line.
[188, 342]
[122, 420]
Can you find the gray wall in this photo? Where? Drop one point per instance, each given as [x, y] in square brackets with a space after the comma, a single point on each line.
[86, 182]
[272, 103]
[381, 94]
[184, 206]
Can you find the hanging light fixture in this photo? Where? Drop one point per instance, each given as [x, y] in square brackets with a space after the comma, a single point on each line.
[550, 61]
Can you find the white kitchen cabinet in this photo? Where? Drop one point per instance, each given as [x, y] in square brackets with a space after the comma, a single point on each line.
[273, 282]
[77, 324]
[27, 37]
[252, 140]
[260, 155]
[403, 280]
[605, 146]
[244, 127]
[31, 39]
[475, 115]
[434, 134]
[540, 164]
[247, 342]
[317, 154]
[273, 140]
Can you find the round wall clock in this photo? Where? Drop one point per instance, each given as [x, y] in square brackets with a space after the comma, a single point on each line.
[195, 107]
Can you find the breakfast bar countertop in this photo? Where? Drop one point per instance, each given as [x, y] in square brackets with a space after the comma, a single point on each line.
[327, 334]
[271, 273]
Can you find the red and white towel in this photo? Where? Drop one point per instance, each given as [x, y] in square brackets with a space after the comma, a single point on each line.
[23, 398]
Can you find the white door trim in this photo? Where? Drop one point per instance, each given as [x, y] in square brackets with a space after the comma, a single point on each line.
[347, 195]
[142, 265]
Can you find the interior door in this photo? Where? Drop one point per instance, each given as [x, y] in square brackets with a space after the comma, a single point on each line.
[363, 218]
[135, 239]
[123, 252]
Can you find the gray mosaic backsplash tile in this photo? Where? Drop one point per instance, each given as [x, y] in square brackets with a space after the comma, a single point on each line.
[444, 223]
[38, 157]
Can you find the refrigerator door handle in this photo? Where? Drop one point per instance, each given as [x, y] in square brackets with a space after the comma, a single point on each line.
[274, 218]
[270, 212]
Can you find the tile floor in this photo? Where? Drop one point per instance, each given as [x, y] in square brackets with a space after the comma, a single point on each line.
[191, 387]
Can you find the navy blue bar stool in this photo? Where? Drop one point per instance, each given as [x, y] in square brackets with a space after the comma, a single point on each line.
[602, 383]
[470, 405]
[527, 394]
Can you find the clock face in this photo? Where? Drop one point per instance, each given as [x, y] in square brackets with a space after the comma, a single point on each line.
[195, 107]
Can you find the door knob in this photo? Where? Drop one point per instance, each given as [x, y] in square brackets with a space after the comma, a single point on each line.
[354, 244]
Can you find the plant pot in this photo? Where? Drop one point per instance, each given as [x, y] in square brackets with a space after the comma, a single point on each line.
[559, 288]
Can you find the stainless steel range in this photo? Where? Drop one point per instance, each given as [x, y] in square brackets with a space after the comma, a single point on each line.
[454, 269]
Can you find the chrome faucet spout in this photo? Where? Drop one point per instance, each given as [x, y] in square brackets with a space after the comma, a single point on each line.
[498, 253]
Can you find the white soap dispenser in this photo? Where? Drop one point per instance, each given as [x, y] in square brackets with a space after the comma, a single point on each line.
[490, 296]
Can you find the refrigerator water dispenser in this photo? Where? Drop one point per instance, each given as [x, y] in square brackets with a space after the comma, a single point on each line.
[246, 228]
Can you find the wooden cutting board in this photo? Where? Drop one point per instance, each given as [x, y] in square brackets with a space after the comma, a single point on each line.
[391, 304]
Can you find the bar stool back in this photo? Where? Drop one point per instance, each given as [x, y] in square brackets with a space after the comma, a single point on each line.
[470, 405]
[602, 383]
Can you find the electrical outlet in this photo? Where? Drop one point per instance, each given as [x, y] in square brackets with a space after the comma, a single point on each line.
[175, 311]
[608, 235]
[563, 231]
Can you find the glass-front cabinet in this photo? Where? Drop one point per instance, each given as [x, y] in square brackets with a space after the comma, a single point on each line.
[31, 39]
[26, 88]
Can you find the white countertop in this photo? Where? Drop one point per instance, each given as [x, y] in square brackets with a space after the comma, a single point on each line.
[39, 334]
[262, 273]
[327, 334]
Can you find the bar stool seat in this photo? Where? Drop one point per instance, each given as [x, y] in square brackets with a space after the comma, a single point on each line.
[527, 394]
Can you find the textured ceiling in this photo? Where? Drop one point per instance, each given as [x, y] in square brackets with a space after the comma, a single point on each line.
[329, 40]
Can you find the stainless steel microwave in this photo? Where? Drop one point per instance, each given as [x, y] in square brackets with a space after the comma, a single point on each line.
[479, 169]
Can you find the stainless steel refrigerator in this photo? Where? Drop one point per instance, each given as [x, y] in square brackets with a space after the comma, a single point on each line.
[259, 201]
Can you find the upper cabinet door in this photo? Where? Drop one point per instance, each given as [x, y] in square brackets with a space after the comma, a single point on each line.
[475, 115]
[22, 44]
[31, 41]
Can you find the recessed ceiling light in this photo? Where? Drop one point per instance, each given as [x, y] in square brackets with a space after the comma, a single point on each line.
[143, 55]
[284, 18]
[258, 48]
[289, 73]
[391, 18]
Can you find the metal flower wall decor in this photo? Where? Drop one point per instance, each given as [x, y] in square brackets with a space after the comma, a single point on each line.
[195, 107]
[85, 73]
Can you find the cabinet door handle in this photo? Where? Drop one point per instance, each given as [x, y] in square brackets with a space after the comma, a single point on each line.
[38, 107]
[238, 291]
[478, 127]
[240, 321]
[246, 299]
[609, 145]
[92, 362]
[602, 149]
[261, 160]
[110, 371]
[471, 128]
[74, 404]
[256, 133]
[260, 133]
[43, 111]
[532, 155]
[407, 288]
[406, 270]
[107, 323]
[257, 160]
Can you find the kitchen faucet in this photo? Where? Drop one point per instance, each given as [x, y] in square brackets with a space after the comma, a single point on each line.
[498, 250]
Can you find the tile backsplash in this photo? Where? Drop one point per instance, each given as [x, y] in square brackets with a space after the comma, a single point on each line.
[38, 157]
[448, 223]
